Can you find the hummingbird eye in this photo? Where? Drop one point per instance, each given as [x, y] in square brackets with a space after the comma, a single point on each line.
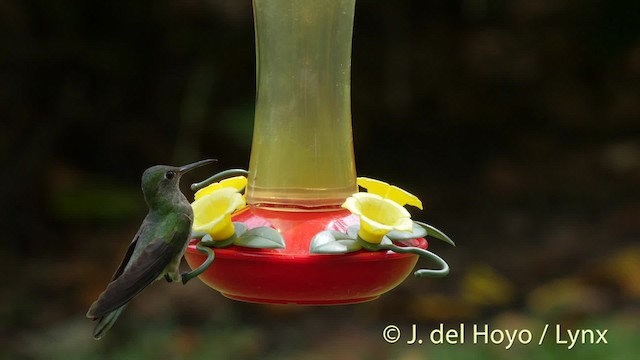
[169, 175]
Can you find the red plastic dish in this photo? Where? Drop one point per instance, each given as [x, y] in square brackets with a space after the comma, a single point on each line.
[293, 275]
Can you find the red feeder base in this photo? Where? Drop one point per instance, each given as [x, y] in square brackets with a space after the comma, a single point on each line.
[293, 275]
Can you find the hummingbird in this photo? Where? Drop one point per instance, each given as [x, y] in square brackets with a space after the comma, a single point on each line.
[157, 247]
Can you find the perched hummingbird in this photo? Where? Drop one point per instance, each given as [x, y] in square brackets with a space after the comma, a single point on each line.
[157, 248]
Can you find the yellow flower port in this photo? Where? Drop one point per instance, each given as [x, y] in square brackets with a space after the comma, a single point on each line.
[236, 182]
[212, 212]
[390, 192]
[378, 216]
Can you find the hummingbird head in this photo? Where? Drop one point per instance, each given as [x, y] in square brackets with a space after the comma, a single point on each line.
[162, 182]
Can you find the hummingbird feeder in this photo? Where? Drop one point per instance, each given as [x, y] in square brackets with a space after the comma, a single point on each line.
[294, 228]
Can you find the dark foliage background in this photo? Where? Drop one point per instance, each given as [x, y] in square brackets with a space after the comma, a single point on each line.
[516, 122]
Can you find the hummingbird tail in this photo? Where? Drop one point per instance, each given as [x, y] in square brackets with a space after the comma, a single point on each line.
[106, 322]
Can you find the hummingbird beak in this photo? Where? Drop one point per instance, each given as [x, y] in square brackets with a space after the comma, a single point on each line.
[189, 167]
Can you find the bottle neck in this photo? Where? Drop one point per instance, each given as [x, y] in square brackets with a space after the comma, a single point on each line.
[302, 151]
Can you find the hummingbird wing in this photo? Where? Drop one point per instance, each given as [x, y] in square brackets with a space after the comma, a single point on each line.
[133, 279]
[126, 259]
[119, 270]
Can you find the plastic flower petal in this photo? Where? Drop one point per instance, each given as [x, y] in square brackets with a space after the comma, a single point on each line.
[377, 215]
[212, 212]
[391, 192]
[236, 182]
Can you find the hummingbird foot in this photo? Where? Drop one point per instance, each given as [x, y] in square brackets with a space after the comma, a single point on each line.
[168, 278]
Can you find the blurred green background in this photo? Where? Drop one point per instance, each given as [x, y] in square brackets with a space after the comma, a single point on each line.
[516, 123]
